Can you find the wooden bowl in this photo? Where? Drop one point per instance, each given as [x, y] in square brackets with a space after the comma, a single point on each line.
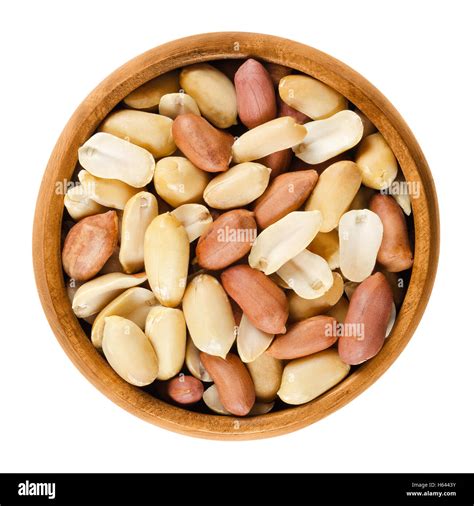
[49, 212]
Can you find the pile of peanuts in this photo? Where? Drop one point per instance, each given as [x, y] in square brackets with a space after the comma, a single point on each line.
[232, 243]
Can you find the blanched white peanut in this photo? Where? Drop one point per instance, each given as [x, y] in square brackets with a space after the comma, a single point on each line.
[251, 342]
[377, 162]
[129, 352]
[334, 192]
[399, 193]
[148, 95]
[307, 274]
[145, 129]
[72, 286]
[133, 304]
[213, 92]
[194, 363]
[266, 372]
[301, 309]
[166, 329]
[106, 192]
[327, 246]
[329, 137]
[275, 135]
[212, 401]
[360, 236]
[195, 218]
[110, 157]
[94, 295]
[174, 104]
[306, 378]
[209, 316]
[283, 240]
[166, 254]
[139, 212]
[391, 322]
[177, 181]
[79, 205]
[238, 186]
[310, 96]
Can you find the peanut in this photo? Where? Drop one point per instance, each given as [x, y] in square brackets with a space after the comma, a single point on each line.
[256, 103]
[334, 192]
[147, 130]
[377, 162]
[259, 297]
[366, 321]
[134, 304]
[306, 378]
[213, 92]
[166, 329]
[237, 187]
[212, 401]
[106, 192]
[148, 96]
[360, 236]
[205, 146]
[233, 382]
[285, 110]
[110, 157]
[285, 194]
[209, 316]
[251, 342]
[177, 181]
[227, 240]
[139, 212]
[195, 218]
[283, 240]
[402, 197]
[194, 364]
[266, 372]
[79, 205]
[304, 338]
[89, 244]
[326, 246]
[166, 254]
[174, 104]
[92, 296]
[395, 251]
[329, 137]
[305, 308]
[307, 274]
[278, 162]
[185, 389]
[275, 135]
[311, 97]
[129, 352]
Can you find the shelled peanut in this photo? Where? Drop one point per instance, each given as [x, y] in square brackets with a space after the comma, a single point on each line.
[236, 274]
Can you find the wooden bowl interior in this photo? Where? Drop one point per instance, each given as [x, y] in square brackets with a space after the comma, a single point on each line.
[49, 212]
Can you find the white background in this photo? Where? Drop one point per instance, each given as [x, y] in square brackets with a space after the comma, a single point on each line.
[418, 416]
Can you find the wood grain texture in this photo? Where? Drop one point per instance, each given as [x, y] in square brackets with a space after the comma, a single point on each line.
[47, 228]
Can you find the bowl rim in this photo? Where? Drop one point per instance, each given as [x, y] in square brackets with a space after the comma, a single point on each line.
[49, 211]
